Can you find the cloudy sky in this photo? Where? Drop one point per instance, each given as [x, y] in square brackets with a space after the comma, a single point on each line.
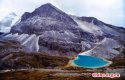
[109, 11]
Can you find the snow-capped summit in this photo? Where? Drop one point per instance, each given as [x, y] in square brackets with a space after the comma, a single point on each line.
[6, 22]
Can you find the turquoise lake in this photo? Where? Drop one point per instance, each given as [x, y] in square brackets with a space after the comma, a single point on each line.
[90, 62]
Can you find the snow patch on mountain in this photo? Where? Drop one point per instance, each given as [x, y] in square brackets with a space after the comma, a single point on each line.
[98, 28]
[89, 27]
[106, 49]
[29, 42]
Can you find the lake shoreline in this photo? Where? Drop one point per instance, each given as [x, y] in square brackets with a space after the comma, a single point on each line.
[72, 63]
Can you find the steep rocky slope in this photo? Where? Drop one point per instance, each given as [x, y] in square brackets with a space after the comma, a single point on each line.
[53, 31]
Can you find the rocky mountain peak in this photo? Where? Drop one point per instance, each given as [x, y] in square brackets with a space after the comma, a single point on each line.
[58, 31]
[48, 10]
[46, 7]
[43, 10]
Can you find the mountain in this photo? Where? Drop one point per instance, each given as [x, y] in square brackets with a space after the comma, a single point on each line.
[6, 22]
[48, 29]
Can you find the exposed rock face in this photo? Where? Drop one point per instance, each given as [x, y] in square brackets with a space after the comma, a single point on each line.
[45, 18]
[52, 30]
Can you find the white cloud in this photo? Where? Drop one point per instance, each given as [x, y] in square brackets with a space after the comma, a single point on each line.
[110, 11]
